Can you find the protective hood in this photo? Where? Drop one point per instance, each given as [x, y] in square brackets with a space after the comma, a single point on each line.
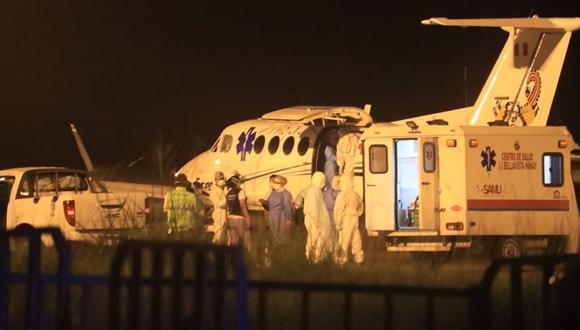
[318, 179]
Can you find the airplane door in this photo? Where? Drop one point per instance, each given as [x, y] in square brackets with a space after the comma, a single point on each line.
[378, 184]
[428, 184]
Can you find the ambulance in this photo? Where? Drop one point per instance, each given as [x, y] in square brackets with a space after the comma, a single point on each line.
[439, 187]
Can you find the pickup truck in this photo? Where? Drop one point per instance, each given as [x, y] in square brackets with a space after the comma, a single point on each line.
[72, 200]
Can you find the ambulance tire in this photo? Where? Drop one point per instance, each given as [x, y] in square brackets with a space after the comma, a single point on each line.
[509, 247]
[556, 245]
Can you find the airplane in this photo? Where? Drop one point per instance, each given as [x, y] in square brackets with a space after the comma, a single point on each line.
[291, 141]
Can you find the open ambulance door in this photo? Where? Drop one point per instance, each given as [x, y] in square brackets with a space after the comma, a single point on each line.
[428, 204]
[378, 184]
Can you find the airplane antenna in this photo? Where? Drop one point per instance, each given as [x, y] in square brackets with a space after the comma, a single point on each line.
[465, 84]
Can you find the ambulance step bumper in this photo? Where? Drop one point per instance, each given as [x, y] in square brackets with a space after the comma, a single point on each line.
[407, 233]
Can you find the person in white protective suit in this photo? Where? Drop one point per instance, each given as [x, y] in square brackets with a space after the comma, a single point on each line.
[317, 221]
[219, 215]
[346, 150]
[347, 209]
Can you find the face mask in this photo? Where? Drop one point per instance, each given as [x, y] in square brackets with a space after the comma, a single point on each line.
[221, 183]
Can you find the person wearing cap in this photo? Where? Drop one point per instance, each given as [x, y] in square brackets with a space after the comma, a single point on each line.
[280, 209]
[180, 206]
[219, 215]
[239, 221]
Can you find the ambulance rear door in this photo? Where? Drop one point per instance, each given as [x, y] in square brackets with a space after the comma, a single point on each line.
[378, 184]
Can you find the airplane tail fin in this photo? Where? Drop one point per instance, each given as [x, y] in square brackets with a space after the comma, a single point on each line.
[522, 84]
[82, 149]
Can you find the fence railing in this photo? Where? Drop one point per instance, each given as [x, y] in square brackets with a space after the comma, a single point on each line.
[177, 285]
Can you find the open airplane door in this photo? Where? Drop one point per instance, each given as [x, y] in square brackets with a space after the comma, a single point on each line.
[347, 116]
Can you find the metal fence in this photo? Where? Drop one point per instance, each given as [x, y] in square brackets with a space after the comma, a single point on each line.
[175, 285]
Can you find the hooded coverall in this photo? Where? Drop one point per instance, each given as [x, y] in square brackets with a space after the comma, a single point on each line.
[219, 215]
[346, 150]
[329, 165]
[317, 221]
[347, 209]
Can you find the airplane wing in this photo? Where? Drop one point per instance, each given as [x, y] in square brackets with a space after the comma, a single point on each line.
[82, 149]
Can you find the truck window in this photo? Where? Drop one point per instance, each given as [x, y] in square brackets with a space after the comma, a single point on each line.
[26, 188]
[378, 159]
[553, 169]
[45, 183]
[429, 157]
[72, 182]
[6, 183]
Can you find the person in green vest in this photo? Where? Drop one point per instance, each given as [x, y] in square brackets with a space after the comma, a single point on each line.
[180, 206]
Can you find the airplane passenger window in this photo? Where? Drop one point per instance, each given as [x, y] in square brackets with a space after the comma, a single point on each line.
[226, 143]
[303, 145]
[288, 145]
[273, 145]
[259, 144]
[553, 170]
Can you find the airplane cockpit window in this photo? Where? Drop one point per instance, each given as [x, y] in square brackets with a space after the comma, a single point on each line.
[273, 145]
[226, 143]
[288, 145]
[259, 144]
[303, 145]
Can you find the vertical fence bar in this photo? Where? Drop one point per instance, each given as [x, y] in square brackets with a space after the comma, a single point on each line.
[134, 305]
[305, 309]
[33, 284]
[200, 286]
[115, 287]
[63, 289]
[219, 291]
[4, 279]
[87, 300]
[548, 270]
[261, 309]
[388, 311]
[516, 296]
[177, 295]
[430, 319]
[156, 288]
[347, 309]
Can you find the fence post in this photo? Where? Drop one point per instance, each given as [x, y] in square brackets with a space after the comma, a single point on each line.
[4, 279]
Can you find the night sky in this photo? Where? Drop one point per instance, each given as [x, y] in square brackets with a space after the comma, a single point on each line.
[127, 72]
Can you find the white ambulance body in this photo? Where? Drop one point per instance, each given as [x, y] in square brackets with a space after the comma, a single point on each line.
[439, 187]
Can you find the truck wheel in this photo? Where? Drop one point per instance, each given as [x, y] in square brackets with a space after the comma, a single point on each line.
[509, 248]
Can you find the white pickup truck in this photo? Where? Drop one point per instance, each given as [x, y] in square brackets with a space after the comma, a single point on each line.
[71, 200]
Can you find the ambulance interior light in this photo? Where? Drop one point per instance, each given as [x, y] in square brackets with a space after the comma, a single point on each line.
[473, 143]
[451, 143]
[562, 144]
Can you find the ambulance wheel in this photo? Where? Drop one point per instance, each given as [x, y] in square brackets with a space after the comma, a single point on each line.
[509, 247]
